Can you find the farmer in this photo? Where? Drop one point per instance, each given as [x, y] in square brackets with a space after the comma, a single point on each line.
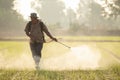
[34, 30]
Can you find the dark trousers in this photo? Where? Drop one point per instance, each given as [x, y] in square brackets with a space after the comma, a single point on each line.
[36, 49]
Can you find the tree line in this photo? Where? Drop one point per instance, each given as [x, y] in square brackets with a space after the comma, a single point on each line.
[11, 22]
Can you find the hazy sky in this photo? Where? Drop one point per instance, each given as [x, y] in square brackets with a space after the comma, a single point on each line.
[63, 11]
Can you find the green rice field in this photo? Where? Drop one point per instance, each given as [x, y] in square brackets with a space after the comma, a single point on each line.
[108, 47]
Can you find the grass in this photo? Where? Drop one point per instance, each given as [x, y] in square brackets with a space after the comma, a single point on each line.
[110, 74]
[13, 49]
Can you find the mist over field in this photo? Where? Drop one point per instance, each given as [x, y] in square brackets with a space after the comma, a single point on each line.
[82, 57]
[56, 57]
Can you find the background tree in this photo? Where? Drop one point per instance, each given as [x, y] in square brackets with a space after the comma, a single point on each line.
[111, 8]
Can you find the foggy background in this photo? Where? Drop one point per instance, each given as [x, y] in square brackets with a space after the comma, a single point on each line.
[86, 18]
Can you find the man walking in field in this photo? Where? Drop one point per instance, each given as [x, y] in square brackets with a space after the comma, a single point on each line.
[34, 30]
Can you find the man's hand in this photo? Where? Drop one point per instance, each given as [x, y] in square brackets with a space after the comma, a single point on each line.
[54, 39]
[31, 37]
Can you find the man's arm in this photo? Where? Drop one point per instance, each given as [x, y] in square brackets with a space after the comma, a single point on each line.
[27, 29]
[45, 29]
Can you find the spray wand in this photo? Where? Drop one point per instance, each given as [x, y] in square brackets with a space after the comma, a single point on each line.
[64, 44]
[60, 43]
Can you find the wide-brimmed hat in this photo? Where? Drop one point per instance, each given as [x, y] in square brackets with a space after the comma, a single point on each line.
[33, 15]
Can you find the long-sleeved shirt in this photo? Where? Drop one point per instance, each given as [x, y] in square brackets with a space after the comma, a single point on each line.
[35, 31]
